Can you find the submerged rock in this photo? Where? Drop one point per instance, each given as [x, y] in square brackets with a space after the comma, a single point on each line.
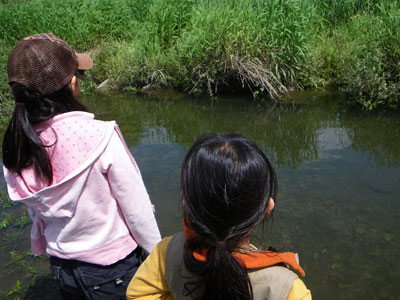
[360, 230]
[335, 266]
[387, 237]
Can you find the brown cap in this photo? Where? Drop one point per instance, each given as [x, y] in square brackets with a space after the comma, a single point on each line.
[45, 63]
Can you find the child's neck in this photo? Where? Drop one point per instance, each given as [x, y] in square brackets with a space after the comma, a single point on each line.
[244, 244]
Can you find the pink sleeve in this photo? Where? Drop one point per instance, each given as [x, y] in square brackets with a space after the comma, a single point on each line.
[127, 186]
[38, 240]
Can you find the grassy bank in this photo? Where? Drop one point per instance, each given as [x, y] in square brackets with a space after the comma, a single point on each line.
[264, 47]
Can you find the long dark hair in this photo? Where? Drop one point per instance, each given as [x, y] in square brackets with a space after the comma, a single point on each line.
[226, 184]
[22, 146]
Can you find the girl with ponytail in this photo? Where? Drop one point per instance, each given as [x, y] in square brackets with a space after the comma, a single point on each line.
[89, 207]
[228, 187]
[22, 146]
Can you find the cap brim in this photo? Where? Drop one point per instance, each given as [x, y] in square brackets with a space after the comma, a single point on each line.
[84, 61]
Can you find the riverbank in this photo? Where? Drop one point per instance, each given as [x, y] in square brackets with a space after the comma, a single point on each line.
[262, 47]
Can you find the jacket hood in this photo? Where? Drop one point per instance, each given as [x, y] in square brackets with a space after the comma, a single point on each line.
[75, 140]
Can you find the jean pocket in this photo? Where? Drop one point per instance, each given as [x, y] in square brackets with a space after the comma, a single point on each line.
[63, 277]
[96, 277]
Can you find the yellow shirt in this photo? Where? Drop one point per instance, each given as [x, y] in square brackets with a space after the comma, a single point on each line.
[150, 280]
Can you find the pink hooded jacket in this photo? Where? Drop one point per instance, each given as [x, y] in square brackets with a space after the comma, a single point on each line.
[97, 209]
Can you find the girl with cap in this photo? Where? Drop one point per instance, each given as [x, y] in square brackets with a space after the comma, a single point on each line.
[227, 189]
[90, 210]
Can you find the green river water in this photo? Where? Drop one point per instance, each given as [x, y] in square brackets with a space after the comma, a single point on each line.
[338, 172]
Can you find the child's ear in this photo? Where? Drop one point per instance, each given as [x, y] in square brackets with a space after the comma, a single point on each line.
[72, 83]
[270, 206]
[74, 86]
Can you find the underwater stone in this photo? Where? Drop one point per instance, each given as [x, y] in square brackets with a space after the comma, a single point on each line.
[368, 276]
[387, 236]
[360, 230]
[335, 266]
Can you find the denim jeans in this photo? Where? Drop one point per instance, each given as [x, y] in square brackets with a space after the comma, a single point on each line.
[80, 280]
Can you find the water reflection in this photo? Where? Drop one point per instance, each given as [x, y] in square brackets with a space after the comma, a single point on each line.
[291, 132]
[378, 137]
[338, 172]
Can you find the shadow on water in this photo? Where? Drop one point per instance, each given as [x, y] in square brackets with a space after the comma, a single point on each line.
[338, 174]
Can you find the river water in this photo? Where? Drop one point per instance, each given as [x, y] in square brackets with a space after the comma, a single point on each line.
[338, 174]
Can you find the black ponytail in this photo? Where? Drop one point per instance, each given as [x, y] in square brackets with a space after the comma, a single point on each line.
[22, 146]
[226, 184]
[220, 277]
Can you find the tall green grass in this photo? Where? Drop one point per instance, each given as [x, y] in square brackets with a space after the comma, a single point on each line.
[6, 104]
[362, 57]
[335, 12]
[265, 47]
[82, 23]
[215, 46]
